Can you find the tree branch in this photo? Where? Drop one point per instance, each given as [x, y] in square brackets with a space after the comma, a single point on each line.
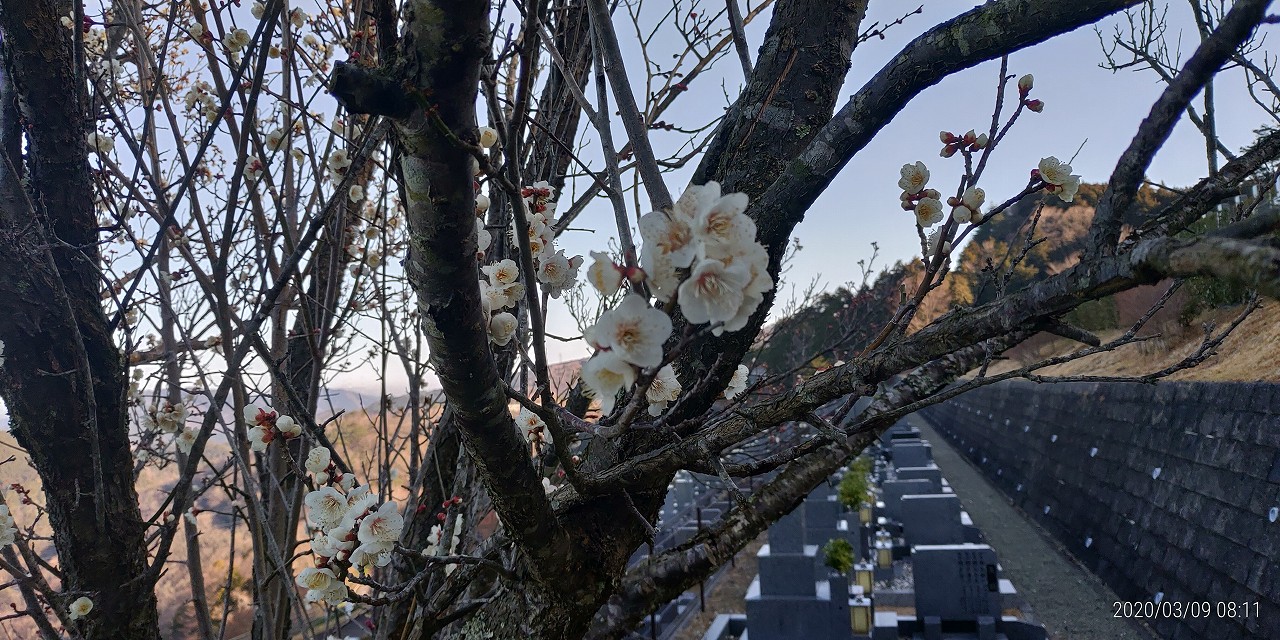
[1122, 188]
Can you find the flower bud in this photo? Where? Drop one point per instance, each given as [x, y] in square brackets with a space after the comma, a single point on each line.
[949, 150]
[1035, 105]
[970, 136]
[1025, 83]
[947, 137]
[981, 142]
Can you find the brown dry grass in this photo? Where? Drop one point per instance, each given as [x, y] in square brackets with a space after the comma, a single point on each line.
[1250, 353]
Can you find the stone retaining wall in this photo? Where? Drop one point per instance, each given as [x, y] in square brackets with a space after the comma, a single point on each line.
[1171, 489]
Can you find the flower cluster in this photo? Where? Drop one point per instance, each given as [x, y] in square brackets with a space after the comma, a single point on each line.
[1025, 83]
[969, 142]
[1058, 178]
[555, 271]
[342, 516]
[8, 531]
[926, 203]
[201, 94]
[499, 290]
[710, 235]
[266, 425]
[968, 207]
[436, 538]
[702, 254]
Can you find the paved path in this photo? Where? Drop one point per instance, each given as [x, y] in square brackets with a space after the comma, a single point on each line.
[1071, 602]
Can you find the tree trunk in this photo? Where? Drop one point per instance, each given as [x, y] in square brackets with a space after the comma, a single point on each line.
[63, 378]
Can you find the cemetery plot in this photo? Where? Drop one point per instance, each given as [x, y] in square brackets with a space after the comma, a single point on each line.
[902, 562]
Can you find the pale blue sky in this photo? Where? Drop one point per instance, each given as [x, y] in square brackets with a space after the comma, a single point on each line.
[1084, 104]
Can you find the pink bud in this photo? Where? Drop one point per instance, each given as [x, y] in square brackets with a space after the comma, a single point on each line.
[1035, 105]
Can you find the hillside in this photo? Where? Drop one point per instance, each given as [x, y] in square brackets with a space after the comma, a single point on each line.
[1251, 352]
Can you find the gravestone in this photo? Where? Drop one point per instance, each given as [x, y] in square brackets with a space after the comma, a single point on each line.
[911, 454]
[931, 519]
[787, 534]
[931, 473]
[785, 601]
[893, 490]
[956, 582]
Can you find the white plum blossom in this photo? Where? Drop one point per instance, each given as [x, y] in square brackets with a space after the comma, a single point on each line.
[1054, 171]
[962, 214]
[1058, 176]
[1067, 190]
[298, 18]
[254, 168]
[483, 237]
[603, 274]
[335, 595]
[313, 579]
[318, 460]
[275, 140]
[664, 390]
[482, 204]
[633, 331]
[501, 273]
[258, 10]
[355, 193]
[662, 275]
[557, 272]
[326, 507]
[914, 177]
[973, 198]
[488, 137]
[80, 608]
[668, 236]
[101, 143]
[324, 546]
[371, 554]
[259, 438]
[383, 525]
[756, 258]
[185, 440]
[236, 40]
[928, 212]
[502, 327]
[713, 292]
[530, 424]
[171, 417]
[738, 383]
[288, 427]
[338, 163]
[723, 229]
[605, 374]
[495, 298]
